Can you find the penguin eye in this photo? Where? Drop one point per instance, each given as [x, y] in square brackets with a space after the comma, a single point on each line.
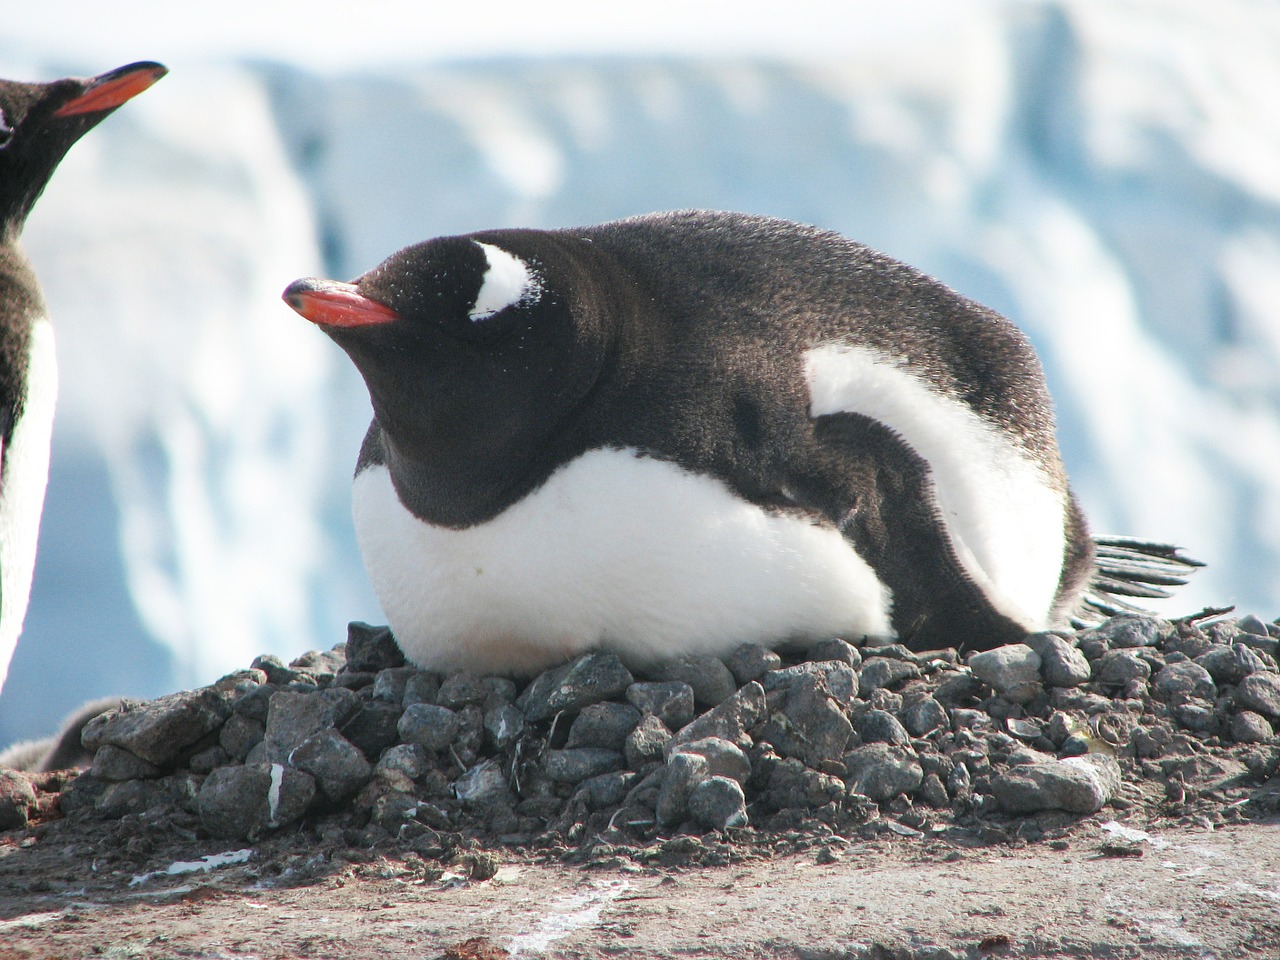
[508, 281]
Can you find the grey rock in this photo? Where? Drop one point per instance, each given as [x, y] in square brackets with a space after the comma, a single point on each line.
[958, 688]
[607, 789]
[1061, 662]
[339, 768]
[370, 648]
[1231, 663]
[603, 725]
[139, 796]
[684, 772]
[718, 803]
[1260, 692]
[1118, 668]
[589, 679]
[1079, 785]
[1252, 624]
[670, 701]
[429, 725]
[373, 728]
[277, 673]
[580, 763]
[255, 703]
[1008, 668]
[158, 730]
[240, 734]
[841, 680]
[921, 715]
[646, 741]
[389, 684]
[115, 763]
[462, 690]
[482, 784]
[294, 716]
[933, 792]
[243, 803]
[882, 771]
[323, 665]
[1197, 715]
[883, 672]
[834, 649]
[730, 720]
[790, 784]
[1128, 631]
[1247, 726]
[807, 722]
[723, 758]
[880, 726]
[504, 725]
[422, 686]
[410, 759]
[750, 661]
[17, 799]
[1178, 682]
[711, 680]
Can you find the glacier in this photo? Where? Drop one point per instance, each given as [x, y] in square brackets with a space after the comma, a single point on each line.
[1107, 175]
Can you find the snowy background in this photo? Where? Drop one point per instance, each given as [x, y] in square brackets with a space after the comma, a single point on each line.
[1105, 173]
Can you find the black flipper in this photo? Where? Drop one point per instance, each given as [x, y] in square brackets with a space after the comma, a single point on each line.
[1128, 567]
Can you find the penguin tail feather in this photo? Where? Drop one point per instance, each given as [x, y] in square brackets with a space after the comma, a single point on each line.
[1125, 568]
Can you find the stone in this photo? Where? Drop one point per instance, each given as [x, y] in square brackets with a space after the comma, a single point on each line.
[389, 684]
[923, 714]
[322, 665]
[807, 723]
[339, 768]
[711, 680]
[370, 648]
[115, 763]
[730, 720]
[788, 783]
[723, 758]
[1197, 715]
[1079, 785]
[482, 784]
[750, 661]
[240, 734]
[373, 728]
[841, 680]
[684, 772]
[410, 759]
[1246, 726]
[570, 687]
[1259, 692]
[1177, 682]
[17, 799]
[1006, 668]
[429, 725]
[1127, 631]
[422, 686]
[1118, 668]
[646, 741]
[294, 716]
[603, 725]
[243, 803]
[1061, 662]
[882, 772]
[880, 726]
[834, 648]
[1230, 663]
[1253, 625]
[883, 672]
[607, 789]
[462, 690]
[503, 725]
[718, 803]
[157, 731]
[670, 701]
[580, 763]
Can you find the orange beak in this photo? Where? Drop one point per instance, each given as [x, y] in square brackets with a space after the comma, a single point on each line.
[113, 88]
[335, 304]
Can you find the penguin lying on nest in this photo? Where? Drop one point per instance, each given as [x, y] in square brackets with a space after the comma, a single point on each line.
[38, 124]
[676, 433]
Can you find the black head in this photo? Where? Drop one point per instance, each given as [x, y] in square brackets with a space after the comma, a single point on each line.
[40, 121]
[475, 350]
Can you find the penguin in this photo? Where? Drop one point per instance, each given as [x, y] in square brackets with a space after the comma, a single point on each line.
[38, 124]
[680, 432]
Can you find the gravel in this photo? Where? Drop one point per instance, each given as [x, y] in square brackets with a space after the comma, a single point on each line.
[1143, 716]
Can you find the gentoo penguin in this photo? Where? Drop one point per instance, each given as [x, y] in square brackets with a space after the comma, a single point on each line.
[38, 124]
[679, 432]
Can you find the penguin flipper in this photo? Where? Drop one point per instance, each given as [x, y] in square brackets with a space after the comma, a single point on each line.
[1130, 567]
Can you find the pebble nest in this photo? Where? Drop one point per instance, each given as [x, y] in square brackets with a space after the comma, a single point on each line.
[592, 762]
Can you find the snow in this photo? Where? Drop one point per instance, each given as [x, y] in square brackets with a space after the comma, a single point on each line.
[1106, 174]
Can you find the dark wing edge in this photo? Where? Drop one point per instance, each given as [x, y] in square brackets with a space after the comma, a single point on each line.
[1128, 567]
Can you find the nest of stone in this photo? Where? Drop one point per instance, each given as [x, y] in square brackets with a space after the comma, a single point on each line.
[1155, 717]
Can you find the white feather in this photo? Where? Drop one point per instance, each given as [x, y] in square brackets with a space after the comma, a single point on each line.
[1003, 516]
[615, 550]
[26, 474]
[507, 281]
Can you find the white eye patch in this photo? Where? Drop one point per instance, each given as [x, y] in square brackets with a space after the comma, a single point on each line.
[507, 281]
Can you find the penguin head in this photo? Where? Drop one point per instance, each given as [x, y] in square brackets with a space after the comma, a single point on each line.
[470, 346]
[40, 121]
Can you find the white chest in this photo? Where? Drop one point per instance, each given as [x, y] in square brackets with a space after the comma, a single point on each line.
[615, 550]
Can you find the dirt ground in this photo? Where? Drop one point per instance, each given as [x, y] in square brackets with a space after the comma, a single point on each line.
[1102, 891]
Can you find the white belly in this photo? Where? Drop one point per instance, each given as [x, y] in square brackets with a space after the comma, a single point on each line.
[26, 474]
[615, 550]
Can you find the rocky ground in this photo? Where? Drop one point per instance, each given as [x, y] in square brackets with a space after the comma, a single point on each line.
[347, 771]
